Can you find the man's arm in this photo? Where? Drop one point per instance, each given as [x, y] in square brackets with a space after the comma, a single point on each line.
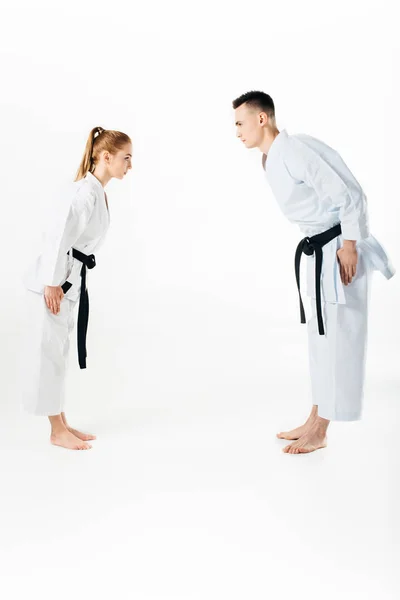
[304, 164]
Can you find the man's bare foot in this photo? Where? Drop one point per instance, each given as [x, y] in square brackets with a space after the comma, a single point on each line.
[314, 439]
[66, 439]
[295, 434]
[86, 437]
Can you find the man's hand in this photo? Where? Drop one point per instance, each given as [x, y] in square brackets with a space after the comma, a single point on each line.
[348, 257]
[53, 297]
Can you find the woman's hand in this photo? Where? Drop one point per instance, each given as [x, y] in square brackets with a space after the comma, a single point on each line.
[348, 258]
[53, 297]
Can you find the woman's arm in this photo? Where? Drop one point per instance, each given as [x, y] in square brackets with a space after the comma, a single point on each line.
[68, 224]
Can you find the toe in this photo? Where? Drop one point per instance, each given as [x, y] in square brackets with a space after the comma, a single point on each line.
[87, 436]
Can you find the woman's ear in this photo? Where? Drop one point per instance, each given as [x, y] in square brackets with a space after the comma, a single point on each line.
[106, 156]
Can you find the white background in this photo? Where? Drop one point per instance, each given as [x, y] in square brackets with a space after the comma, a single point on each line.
[196, 357]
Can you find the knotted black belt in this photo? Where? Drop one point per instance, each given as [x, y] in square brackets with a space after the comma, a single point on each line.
[83, 314]
[309, 246]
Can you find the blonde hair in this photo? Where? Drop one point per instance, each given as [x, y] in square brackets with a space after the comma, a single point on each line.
[99, 140]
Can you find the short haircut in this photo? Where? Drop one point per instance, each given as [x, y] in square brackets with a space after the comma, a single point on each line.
[258, 100]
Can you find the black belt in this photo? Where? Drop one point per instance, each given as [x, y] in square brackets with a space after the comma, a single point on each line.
[309, 246]
[83, 314]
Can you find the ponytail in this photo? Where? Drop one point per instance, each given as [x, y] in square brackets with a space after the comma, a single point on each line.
[87, 163]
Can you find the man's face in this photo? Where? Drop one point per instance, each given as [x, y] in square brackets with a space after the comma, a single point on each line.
[249, 125]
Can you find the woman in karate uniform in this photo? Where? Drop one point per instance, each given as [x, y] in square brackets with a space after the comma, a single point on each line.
[56, 282]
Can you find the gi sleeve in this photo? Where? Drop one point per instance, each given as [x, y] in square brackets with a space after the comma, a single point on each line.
[306, 165]
[67, 225]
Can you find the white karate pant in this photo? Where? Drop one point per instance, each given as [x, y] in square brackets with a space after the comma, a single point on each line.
[337, 359]
[47, 340]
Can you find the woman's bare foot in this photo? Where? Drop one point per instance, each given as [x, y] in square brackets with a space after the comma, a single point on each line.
[79, 434]
[314, 439]
[66, 439]
[82, 436]
[295, 434]
[62, 436]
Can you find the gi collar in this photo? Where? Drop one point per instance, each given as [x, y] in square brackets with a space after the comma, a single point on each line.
[94, 180]
[275, 146]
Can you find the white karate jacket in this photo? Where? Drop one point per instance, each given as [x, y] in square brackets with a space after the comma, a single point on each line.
[316, 190]
[81, 220]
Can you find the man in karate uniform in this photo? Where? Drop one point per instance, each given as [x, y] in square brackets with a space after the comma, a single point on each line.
[316, 190]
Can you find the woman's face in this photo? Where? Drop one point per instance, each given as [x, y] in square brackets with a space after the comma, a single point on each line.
[120, 162]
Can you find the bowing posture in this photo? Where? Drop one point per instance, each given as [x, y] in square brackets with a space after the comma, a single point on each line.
[315, 189]
[57, 281]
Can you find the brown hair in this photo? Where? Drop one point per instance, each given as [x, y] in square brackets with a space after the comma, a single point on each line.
[99, 140]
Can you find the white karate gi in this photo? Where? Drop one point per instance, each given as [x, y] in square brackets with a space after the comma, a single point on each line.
[81, 220]
[316, 190]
